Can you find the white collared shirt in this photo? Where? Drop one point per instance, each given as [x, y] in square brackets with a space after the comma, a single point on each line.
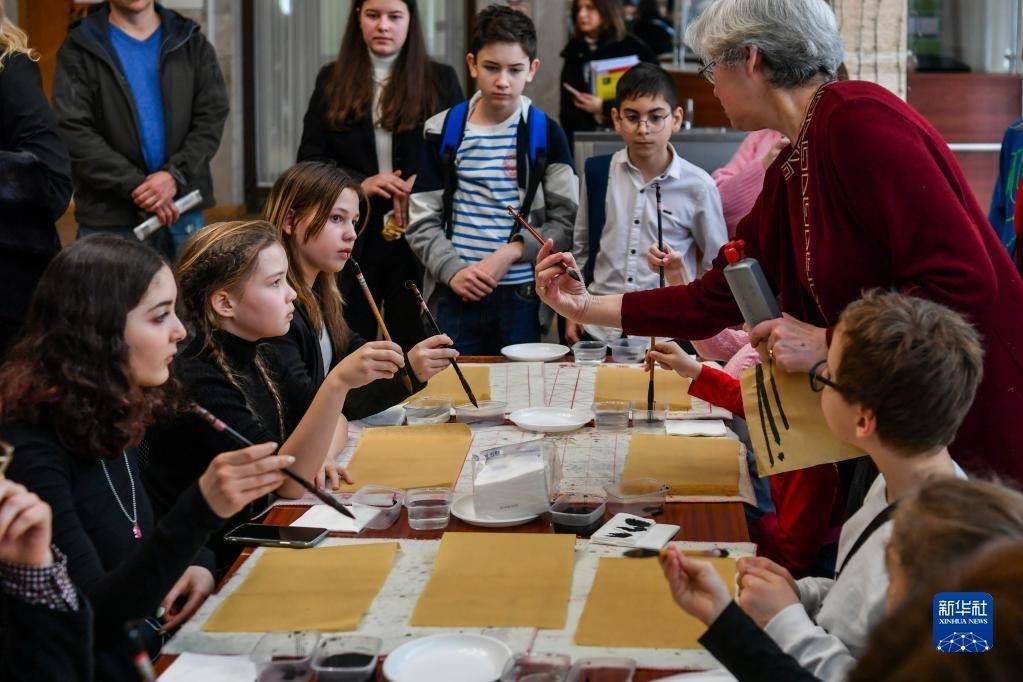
[691, 218]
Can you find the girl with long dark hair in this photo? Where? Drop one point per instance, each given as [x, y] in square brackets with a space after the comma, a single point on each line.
[599, 33]
[317, 209]
[235, 292]
[366, 114]
[88, 374]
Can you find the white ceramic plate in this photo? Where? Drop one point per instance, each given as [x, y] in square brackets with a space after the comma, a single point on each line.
[464, 508]
[535, 352]
[448, 658]
[550, 419]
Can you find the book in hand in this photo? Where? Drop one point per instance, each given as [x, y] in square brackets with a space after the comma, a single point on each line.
[604, 75]
[627, 530]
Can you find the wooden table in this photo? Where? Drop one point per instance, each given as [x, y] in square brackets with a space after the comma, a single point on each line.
[700, 521]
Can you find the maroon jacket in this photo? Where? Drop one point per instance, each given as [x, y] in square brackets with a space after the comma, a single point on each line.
[870, 196]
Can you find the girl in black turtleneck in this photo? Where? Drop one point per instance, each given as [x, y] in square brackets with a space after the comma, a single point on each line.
[235, 292]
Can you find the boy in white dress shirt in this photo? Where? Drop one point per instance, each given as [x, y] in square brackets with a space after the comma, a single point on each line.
[617, 220]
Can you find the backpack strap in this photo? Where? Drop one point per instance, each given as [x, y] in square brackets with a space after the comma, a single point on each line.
[450, 140]
[537, 134]
[596, 172]
[883, 517]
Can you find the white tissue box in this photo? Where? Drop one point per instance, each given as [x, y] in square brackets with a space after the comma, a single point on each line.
[513, 481]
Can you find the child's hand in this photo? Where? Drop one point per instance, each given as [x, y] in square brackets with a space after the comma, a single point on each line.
[374, 360]
[763, 593]
[670, 260]
[430, 356]
[386, 185]
[695, 585]
[746, 563]
[669, 355]
[331, 473]
[500, 261]
[573, 331]
[472, 283]
[775, 151]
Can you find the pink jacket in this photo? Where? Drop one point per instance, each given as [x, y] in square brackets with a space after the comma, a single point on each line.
[740, 180]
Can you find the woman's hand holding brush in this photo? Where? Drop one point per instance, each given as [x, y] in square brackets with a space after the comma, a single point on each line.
[235, 478]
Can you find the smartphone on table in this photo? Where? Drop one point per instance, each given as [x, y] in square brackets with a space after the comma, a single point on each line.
[265, 535]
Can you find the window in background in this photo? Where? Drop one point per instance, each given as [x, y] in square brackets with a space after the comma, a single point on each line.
[293, 40]
[965, 35]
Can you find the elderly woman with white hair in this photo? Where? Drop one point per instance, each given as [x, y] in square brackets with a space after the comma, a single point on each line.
[868, 195]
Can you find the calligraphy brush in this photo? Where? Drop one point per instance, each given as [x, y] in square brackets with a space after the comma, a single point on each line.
[380, 320]
[660, 272]
[435, 328]
[572, 272]
[218, 425]
[643, 553]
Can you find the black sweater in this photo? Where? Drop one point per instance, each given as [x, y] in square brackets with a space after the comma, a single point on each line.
[748, 652]
[35, 183]
[302, 361]
[575, 72]
[124, 578]
[45, 645]
[182, 449]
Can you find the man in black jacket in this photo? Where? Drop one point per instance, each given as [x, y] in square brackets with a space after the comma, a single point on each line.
[139, 136]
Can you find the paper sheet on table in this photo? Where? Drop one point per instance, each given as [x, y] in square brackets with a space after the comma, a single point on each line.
[409, 456]
[787, 428]
[499, 580]
[306, 589]
[204, 668]
[689, 466]
[447, 385]
[630, 605]
[701, 427]
[322, 516]
[630, 383]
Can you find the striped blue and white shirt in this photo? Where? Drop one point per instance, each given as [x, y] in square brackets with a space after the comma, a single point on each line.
[487, 185]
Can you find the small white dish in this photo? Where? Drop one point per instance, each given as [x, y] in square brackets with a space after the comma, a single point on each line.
[465, 509]
[550, 419]
[535, 352]
[448, 658]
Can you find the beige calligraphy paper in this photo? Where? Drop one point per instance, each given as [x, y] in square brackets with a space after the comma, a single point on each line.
[688, 465]
[447, 385]
[499, 580]
[787, 428]
[329, 588]
[405, 457]
[630, 383]
[630, 605]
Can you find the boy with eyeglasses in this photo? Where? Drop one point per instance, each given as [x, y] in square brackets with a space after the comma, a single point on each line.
[617, 220]
[900, 376]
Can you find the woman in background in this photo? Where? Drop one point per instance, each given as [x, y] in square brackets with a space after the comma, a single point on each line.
[366, 115]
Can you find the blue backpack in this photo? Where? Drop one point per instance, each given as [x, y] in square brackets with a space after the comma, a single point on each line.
[451, 138]
[596, 172]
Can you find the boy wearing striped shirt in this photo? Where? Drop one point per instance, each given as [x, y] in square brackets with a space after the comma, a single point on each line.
[479, 267]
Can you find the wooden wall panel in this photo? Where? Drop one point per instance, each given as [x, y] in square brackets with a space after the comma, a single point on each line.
[967, 107]
[691, 85]
[46, 22]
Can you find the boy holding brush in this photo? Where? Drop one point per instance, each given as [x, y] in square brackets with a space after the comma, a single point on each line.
[498, 150]
[617, 222]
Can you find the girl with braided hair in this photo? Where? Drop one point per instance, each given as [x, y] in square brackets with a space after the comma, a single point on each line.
[235, 292]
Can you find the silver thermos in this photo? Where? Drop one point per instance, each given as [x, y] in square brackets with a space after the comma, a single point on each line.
[749, 286]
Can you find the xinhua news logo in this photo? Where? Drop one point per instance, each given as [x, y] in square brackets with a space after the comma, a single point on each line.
[963, 622]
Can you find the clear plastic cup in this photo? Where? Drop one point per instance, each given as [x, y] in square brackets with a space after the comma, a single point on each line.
[656, 416]
[284, 656]
[611, 415]
[536, 667]
[602, 669]
[629, 350]
[577, 513]
[589, 352]
[428, 411]
[428, 508]
[346, 658]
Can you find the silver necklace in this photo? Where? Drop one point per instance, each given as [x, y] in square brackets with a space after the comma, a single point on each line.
[134, 516]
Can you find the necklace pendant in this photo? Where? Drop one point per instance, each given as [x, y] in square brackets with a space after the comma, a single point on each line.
[136, 531]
